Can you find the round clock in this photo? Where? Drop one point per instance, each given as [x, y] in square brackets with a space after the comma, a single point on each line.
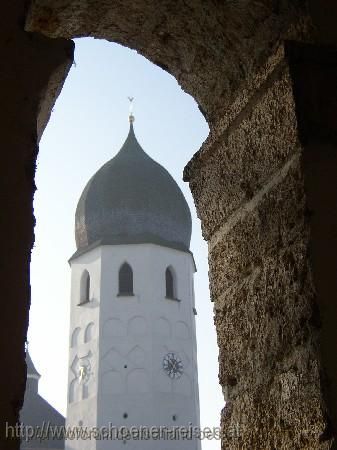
[173, 365]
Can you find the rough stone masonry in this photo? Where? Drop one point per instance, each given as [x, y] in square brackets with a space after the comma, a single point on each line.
[264, 75]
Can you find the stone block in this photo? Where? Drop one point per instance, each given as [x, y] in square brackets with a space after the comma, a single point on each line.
[277, 219]
[247, 155]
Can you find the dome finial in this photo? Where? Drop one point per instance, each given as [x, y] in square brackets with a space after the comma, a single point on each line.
[131, 116]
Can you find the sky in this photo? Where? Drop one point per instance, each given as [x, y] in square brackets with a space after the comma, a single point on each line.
[88, 126]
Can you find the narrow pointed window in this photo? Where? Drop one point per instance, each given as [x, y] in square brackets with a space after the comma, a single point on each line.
[125, 280]
[170, 288]
[85, 288]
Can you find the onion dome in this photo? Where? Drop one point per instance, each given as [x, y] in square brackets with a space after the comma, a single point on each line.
[132, 199]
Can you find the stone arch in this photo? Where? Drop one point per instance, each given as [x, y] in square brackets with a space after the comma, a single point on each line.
[137, 326]
[112, 359]
[242, 38]
[162, 327]
[74, 340]
[172, 40]
[89, 332]
[137, 355]
[113, 327]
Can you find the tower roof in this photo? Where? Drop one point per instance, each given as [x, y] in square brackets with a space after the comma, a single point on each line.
[36, 412]
[132, 199]
[31, 370]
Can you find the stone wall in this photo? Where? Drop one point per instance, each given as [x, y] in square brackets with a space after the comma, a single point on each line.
[31, 66]
[263, 183]
[314, 73]
[249, 193]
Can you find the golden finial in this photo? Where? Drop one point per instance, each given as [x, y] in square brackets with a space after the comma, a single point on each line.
[131, 116]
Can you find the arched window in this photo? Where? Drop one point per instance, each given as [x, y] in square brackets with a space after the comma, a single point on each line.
[125, 280]
[85, 288]
[170, 283]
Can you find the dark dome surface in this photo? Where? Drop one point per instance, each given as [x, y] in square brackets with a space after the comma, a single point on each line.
[132, 199]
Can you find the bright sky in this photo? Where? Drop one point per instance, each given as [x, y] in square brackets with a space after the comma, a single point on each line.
[88, 126]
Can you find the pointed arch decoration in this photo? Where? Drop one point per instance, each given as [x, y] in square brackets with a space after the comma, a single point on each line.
[89, 332]
[74, 340]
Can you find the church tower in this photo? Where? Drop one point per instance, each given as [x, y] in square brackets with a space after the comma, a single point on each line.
[133, 360]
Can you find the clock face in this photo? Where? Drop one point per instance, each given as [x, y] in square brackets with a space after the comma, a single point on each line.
[173, 365]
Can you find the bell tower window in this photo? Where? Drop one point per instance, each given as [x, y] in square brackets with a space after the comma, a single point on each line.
[170, 284]
[85, 288]
[125, 280]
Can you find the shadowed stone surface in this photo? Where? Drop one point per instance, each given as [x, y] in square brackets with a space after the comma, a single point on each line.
[30, 63]
[267, 323]
[266, 248]
[211, 47]
[248, 153]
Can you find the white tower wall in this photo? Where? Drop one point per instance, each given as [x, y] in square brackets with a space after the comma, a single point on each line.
[125, 384]
[83, 344]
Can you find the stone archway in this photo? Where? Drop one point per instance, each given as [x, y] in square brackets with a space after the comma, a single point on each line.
[248, 180]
